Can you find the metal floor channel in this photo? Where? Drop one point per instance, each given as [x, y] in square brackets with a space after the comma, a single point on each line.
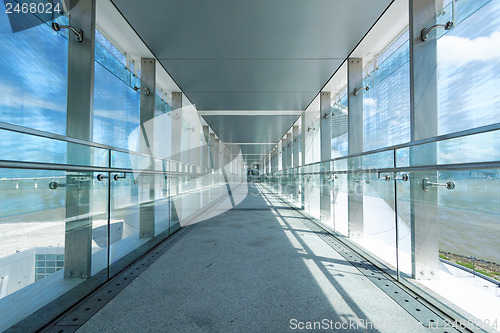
[426, 315]
[251, 268]
[74, 318]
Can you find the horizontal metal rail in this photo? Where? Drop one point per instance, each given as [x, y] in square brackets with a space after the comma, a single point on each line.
[455, 135]
[80, 168]
[443, 167]
[59, 137]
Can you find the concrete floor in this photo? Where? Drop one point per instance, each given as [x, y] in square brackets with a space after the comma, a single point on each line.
[255, 268]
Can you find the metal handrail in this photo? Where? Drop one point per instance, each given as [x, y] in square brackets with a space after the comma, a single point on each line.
[82, 168]
[474, 131]
[59, 137]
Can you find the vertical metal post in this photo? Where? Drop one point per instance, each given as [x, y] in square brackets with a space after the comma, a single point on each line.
[205, 151]
[273, 161]
[289, 150]
[424, 124]
[205, 157]
[296, 145]
[79, 124]
[212, 155]
[355, 142]
[326, 153]
[194, 149]
[288, 158]
[303, 130]
[218, 159]
[176, 126]
[326, 126]
[147, 113]
[303, 159]
[296, 161]
[283, 153]
[176, 149]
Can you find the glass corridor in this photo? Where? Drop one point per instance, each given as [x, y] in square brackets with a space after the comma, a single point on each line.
[75, 212]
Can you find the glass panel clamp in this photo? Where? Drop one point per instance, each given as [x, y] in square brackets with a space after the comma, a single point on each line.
[146, 91]
[78, 33]
[357, 90]
[426, 184]
[425, 31]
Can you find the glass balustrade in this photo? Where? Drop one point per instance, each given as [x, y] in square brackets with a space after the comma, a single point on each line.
[431, 204]
[73, 212]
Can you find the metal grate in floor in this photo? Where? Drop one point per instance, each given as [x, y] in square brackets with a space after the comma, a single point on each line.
[74, 318]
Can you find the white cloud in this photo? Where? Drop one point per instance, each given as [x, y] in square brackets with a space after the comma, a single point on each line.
[453, 50]
[370, 102]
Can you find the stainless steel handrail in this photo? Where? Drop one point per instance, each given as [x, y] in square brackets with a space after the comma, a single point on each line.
[436, 167]
[59, 137]
[81, 168]
[464, 133]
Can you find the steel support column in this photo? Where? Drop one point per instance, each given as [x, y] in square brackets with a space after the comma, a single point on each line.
[205, 151]
[296, 146]
[355, 141]
[326, 153]
[79, 124]
[424, 120]
[176, 126]
[296, 161]
[283, 153]
[303, 159]
[146, 146]
[289, 150]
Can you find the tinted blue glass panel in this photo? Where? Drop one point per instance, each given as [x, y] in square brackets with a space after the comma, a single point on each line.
[386, 106]
[33, 80]
[469, 68]
[116, 109]
[339, 128]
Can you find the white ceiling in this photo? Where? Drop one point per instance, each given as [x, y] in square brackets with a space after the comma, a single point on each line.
[251, 54]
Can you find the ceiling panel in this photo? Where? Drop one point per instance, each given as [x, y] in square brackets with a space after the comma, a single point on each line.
[250, 100]
[252, 75]
[257, 45]
[250, 129]
[247, 29]
[251, 54]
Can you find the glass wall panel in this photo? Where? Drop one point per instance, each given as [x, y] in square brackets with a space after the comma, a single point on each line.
[403, 209]
[340, 204]
[162, 128]
[379, 220]
[116, 109]
[161, 204]
[339, 127]
[33, 227]
[468, 214]
[33, 80]
[483, 147]
[116, 104]
[386, 105]
[124, 217]
[468, 67]
[174, 205]
[99, 212]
